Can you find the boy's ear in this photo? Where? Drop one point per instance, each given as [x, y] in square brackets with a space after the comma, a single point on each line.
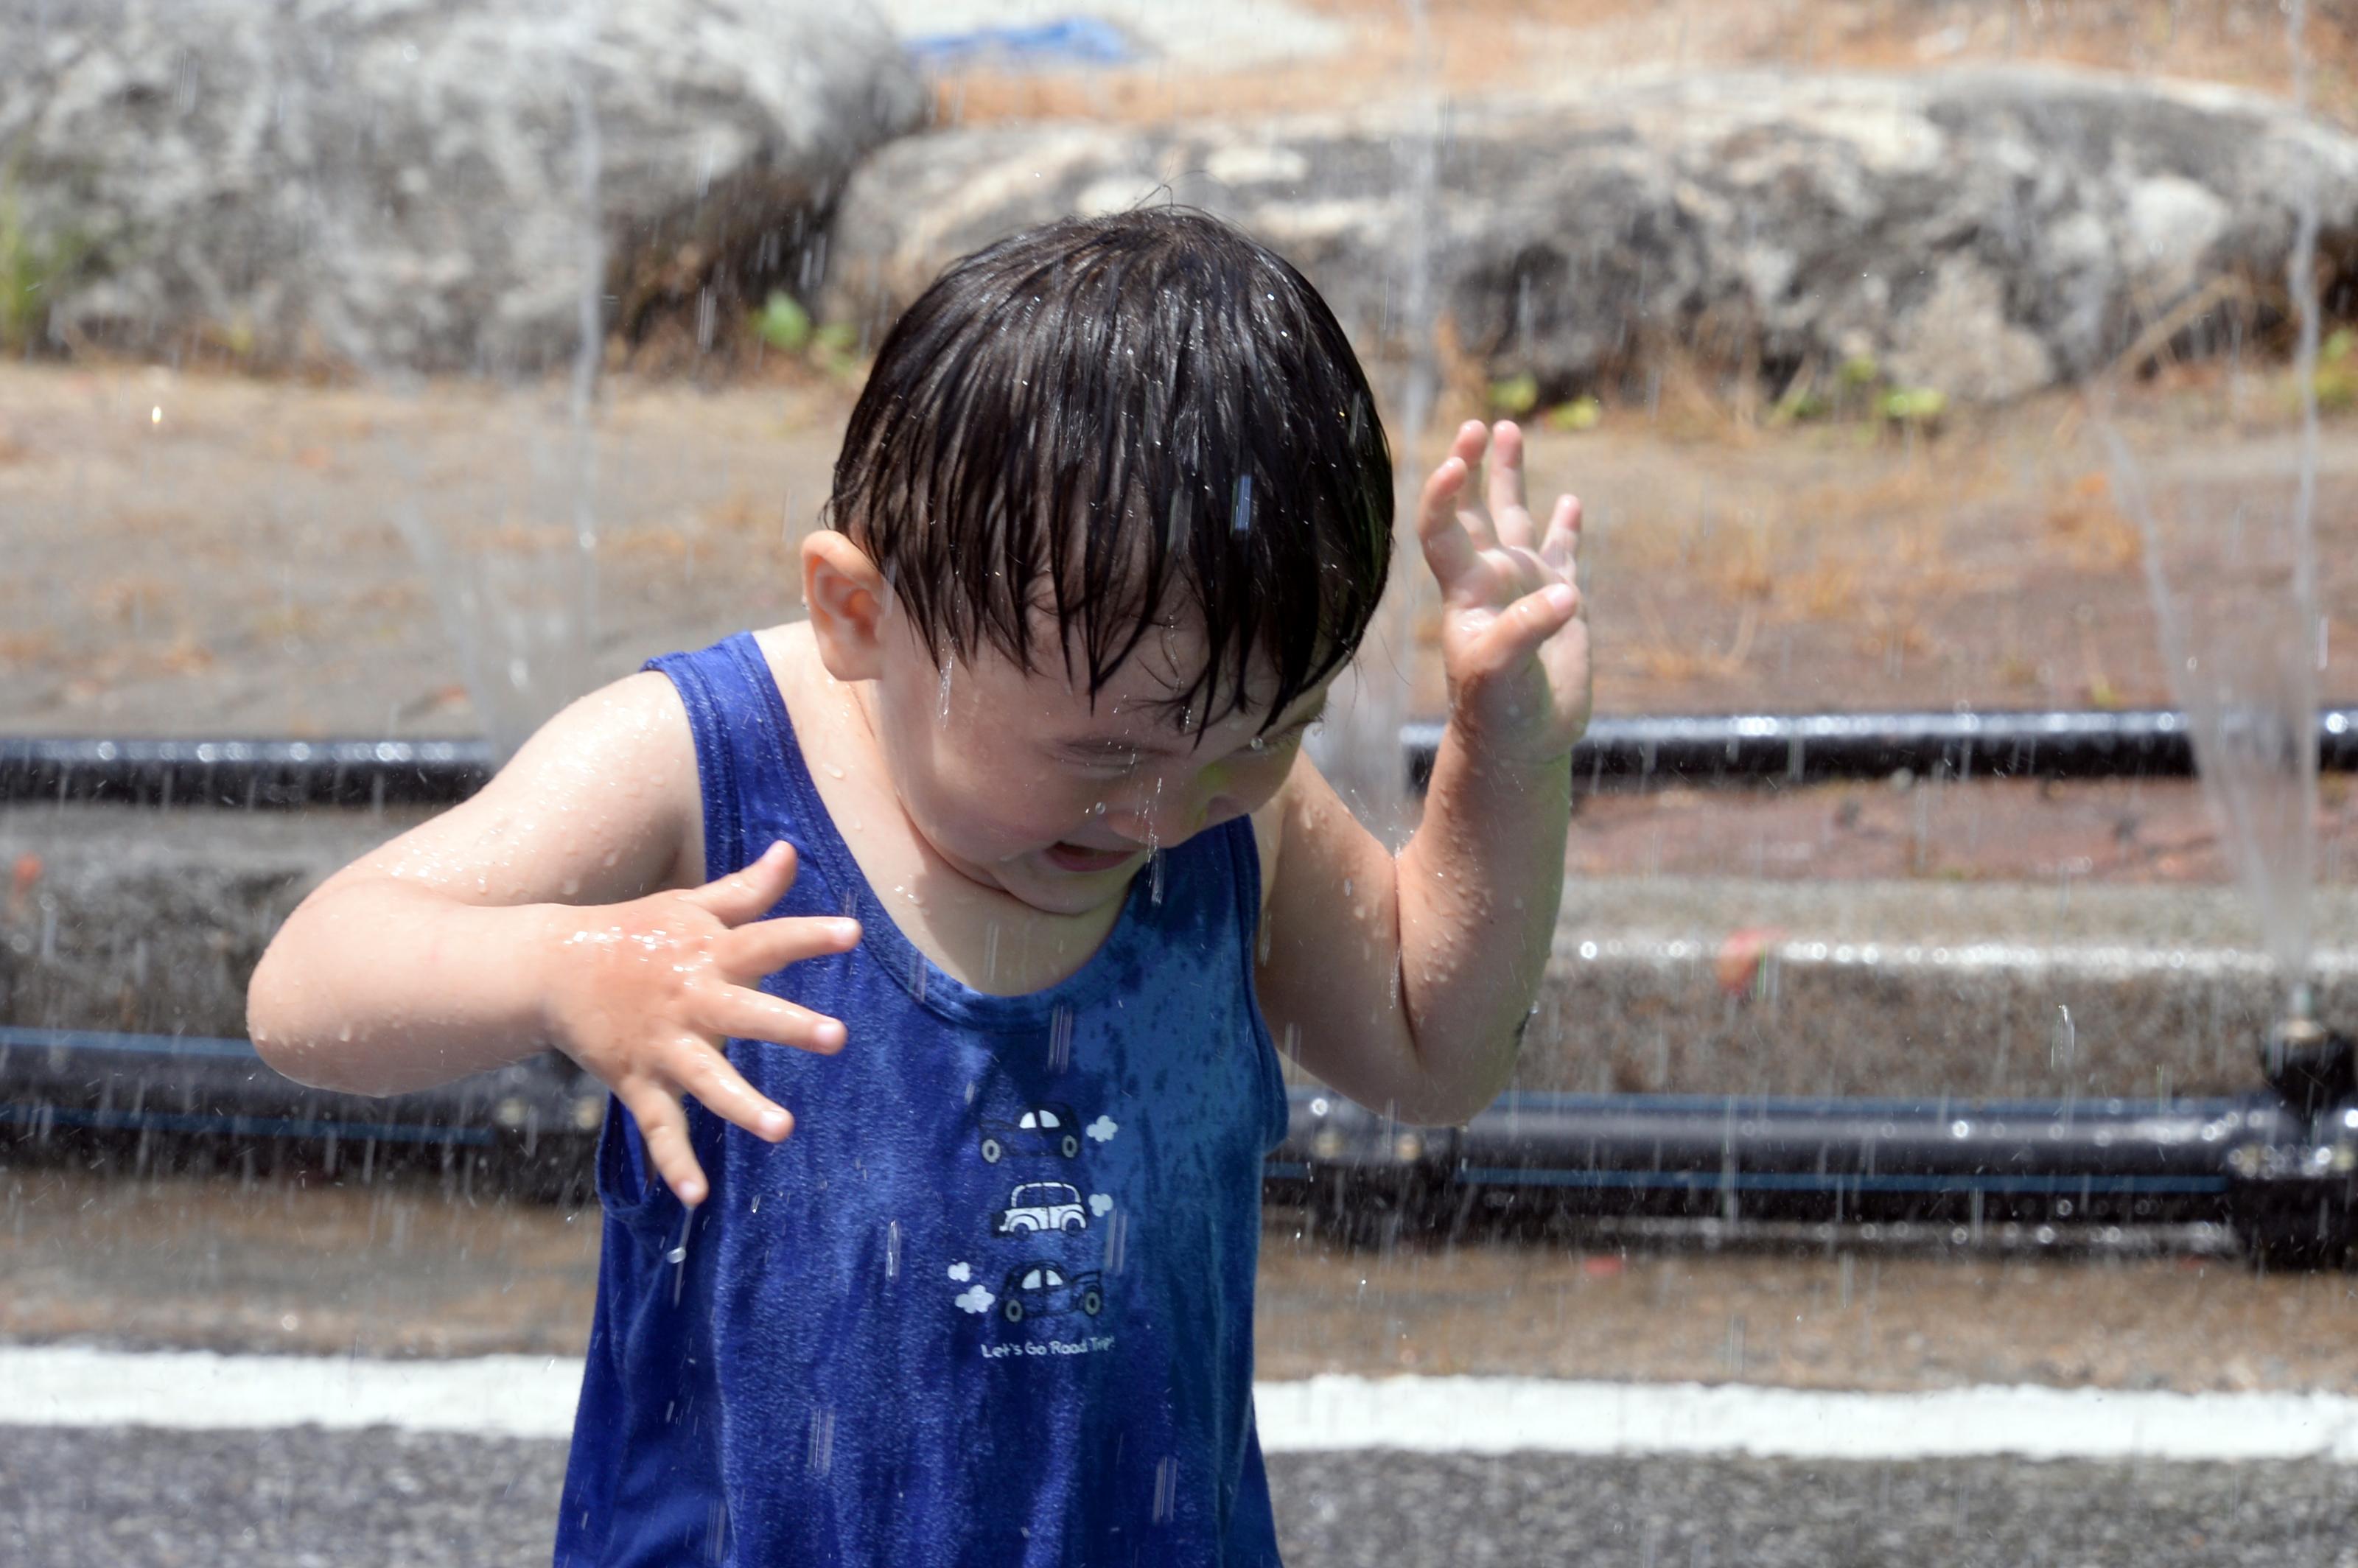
[851, 605]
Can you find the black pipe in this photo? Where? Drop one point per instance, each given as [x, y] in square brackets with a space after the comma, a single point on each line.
[248, 774]
[183, 1080]
[1702, 748]
[1805, 748]
[2285, 1180]
[221, 1087]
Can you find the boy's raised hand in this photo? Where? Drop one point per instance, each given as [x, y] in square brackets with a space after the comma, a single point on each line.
[644, 994]
[1514, 630]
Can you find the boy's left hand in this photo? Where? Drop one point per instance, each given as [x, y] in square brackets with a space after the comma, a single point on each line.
[1514, 627]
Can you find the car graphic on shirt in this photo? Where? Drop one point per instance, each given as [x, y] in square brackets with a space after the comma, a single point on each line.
[1041, 1205]
[1039, 1129]
[1042, 1289]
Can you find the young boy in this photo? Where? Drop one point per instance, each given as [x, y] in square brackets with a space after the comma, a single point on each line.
[1010, 845]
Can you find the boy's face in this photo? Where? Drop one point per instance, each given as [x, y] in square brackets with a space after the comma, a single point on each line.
[1021, 784]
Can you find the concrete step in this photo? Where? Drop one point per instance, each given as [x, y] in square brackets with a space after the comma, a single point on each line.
[1692, 984]
[151, 922]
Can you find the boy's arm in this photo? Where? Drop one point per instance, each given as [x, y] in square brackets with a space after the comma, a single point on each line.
[421, 962]
[1405, 982]
[557, 907]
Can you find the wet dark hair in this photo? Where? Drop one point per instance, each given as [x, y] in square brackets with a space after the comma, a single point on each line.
[1110, 418]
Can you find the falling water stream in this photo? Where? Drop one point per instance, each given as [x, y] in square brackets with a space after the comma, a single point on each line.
[2233, 576]
[1357, 747]
[525, 626]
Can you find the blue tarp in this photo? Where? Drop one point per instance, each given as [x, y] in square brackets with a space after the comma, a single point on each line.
[1088, 40]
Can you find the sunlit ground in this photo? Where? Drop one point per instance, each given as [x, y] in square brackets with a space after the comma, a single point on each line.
[206, 542]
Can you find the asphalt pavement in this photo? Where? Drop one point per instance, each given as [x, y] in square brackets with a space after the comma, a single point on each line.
[300, 1498]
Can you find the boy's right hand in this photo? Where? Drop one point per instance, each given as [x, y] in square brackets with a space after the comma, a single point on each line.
[644, 995]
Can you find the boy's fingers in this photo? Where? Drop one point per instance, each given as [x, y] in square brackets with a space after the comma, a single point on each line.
[742, 1014]
[721, 1089]
[761, 947]
[1468, 445]
[1531, 621]
[1507, 512]
[748, 894]
[1449, 549]
[1561, 548]
[663, 1128]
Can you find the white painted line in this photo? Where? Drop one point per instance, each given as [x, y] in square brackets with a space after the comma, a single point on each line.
[1498, 1415]
[534, 1396]
[490, 1396]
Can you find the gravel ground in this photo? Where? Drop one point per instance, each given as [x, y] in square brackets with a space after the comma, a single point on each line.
[302, 1498]
[1402, 1510]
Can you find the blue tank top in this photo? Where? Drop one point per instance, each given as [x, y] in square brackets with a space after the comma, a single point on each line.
[991, 1302]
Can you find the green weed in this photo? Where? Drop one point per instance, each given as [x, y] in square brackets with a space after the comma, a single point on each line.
[1515, 397]
[786, 325]
[31, 264]
[783, 323]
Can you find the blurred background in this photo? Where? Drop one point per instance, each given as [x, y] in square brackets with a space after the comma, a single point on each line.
[1942, 1053]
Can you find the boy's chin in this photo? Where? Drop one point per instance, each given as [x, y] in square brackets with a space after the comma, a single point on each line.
[1083, 860]
[1049, 884]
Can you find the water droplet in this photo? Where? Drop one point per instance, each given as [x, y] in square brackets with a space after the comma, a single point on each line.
[821, 1457]
[1166, 1488]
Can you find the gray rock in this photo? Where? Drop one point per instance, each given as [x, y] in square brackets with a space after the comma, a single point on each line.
[418, 183]
[1985, 232]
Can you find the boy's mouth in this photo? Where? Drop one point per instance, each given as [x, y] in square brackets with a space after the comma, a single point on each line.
[1081, 858]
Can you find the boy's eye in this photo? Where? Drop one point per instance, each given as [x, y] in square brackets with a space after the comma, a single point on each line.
[1261, 744]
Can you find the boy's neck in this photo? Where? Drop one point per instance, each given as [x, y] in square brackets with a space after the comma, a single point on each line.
[961, 919]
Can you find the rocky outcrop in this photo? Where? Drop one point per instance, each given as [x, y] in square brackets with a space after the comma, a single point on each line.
[1987, 232]
[420, 184]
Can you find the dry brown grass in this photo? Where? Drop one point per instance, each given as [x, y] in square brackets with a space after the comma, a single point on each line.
[2087, 530]
[302, 622]
[1662, 654]
[511, 535]
[742, 526]
[131, 600]
[23, 650]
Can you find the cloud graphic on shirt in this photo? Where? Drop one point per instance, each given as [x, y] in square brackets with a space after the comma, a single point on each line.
[1102, 1129]
[975, 1299]
[961, 1272]
[1101, 1204]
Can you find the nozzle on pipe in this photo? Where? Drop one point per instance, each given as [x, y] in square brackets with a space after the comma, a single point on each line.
[2311, 1068]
